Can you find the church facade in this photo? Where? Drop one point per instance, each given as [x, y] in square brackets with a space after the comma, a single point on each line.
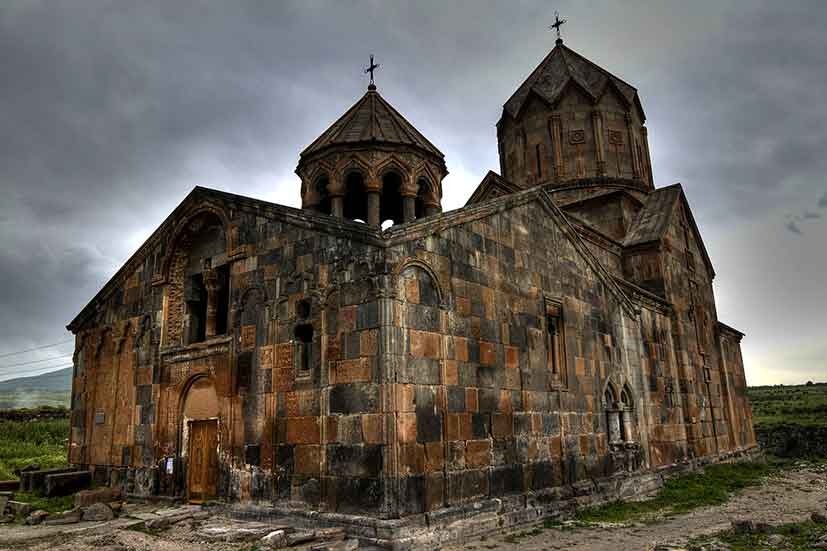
[557, 332]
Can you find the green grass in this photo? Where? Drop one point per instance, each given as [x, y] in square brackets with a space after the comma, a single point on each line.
[25, 442]
[713, 486]
[48, 504]
[804, 405]
[800, 536]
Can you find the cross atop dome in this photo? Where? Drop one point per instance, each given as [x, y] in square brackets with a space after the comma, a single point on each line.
[556, 26]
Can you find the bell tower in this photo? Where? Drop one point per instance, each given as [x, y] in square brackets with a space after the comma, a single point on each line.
[372, 165]
[572, 120]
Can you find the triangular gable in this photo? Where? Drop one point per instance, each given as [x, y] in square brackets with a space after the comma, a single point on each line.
[656, 216]
[493, 185]
[430, 226]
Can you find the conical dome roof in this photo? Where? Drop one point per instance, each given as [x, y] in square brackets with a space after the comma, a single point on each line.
[561, 67]
[372, 120]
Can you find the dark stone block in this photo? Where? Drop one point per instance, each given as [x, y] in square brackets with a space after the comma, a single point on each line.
[244, 367]
[65, 484]
[480, 425]
[473, 351]
[424, 399]
[504, 451]
[428, 426]
[428, 295]
[522, 423]
[542, 475]
[357, 495]
[488, 400]
[252, 454]
[474, 484]
[367, 315]
[412, 494]
[487, 375]
[489, 330]
[516, 335]
[551, 424]
[354, 398]
[456, 399]
[506, 480]
[423, 318]
[284, 459]
[143, 394]
[360, 460]
[425, 371]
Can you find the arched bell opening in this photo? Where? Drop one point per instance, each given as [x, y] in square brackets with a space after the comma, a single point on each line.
[390, 205]
[356, 197]
[320, 187]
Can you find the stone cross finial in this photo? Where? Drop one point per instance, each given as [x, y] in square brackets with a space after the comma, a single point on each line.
[370, 69]
[556, 26]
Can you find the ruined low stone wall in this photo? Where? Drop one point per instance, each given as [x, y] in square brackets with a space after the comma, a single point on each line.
[793, 440]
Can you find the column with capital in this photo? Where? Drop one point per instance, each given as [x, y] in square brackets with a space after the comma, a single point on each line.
[337, 194]
[373, 188]
[211, 284]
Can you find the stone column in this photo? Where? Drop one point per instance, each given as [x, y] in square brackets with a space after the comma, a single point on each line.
[373, 188]
[633, 148]
[614, 426]
[408, 207]
[599, 145]
[373, 208]
[211, 283]
[625, 425]
[556, 133]
[432, 208]
[336, 192]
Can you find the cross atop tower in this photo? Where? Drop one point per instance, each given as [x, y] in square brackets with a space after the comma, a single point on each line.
[556, 26]
[370, 69]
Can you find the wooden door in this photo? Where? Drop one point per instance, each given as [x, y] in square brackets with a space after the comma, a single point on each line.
[202, 467]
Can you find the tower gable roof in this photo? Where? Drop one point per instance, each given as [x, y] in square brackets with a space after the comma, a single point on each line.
[372, 120]
[654, 218]
[561, 67]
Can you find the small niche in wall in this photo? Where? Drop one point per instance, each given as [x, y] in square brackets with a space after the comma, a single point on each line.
[304, 345]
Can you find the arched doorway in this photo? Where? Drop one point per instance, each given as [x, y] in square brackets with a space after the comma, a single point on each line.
[199, 439]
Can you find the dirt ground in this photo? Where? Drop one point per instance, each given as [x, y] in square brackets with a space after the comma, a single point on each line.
[788, 497]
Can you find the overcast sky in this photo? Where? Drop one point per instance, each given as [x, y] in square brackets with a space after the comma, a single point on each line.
[111, 112]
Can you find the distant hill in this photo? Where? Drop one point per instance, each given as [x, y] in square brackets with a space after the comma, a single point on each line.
[54, 380]
[49, 389]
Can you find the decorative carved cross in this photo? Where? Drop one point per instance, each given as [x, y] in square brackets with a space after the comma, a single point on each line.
[372, 67]
[557, 24]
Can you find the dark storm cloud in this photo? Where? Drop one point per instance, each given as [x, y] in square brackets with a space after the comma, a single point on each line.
[113, 111]
[793, 227]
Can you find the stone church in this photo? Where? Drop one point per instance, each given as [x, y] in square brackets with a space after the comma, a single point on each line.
[554, 340]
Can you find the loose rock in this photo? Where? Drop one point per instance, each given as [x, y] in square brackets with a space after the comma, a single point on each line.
[20, 508]
[67, 517]
[98, 512]
[37, 517]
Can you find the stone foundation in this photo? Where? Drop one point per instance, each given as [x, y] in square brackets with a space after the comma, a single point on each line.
[452, 524]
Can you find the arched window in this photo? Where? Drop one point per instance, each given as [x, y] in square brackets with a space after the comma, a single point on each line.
[356, 200]
[320, 186]
[424, 189]
[390, 205]
[198, 286]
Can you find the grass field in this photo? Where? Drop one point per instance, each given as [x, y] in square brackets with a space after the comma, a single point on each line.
[804, 405]
[712, 486]
[24, 442]
[34, 398]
